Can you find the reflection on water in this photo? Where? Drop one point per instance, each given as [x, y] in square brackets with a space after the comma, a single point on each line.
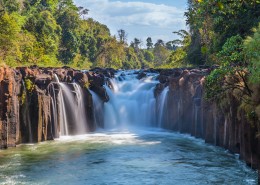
[128, 157]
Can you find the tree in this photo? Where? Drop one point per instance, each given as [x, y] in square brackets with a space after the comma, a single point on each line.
[82, 11]
[159, 42]
[9, 34]
[9, 6]
[252, 52]
[160, 55]
[136, 44]
[148, 55]
[211, 23]
[47, 33]
[170, 46]
[149, 43]
[69, 21]
[122, 36]
[111, 55]
[132, 61]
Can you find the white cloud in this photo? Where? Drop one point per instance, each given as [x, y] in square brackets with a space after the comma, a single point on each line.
[132, 15]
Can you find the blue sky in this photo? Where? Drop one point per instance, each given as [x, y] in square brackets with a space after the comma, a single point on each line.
[139, 18]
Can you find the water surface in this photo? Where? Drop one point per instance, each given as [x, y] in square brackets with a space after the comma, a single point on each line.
[125, 157]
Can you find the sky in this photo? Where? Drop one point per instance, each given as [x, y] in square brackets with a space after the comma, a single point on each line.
[139, 18]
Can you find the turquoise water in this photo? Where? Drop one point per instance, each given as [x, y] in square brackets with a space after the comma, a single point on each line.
[123, 157]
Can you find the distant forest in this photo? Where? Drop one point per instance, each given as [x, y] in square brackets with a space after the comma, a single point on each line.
[58, 33]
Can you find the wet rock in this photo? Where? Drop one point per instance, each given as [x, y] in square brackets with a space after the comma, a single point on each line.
[81, 78]
[163, 79]
[43, 80]
[141, 75]
[107, 72]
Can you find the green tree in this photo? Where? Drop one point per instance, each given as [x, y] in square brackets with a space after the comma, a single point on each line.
[148, 55]
[159, 42]
[160, 55]
[122, 36]
[9, 34]
[136, 44]
[132, 60]
[252, 51]
[69, 21]
[149, 43]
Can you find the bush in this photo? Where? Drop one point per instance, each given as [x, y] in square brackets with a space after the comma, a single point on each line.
[252, 52]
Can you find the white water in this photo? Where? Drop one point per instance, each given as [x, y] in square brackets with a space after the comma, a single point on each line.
[132, 102]
[97, 109]
[162, 108]
[72, 113]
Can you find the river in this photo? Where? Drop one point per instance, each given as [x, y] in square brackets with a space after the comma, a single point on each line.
[125, 157]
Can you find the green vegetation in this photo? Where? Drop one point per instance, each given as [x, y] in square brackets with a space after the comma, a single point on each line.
[53, 33]
[252, 50]
[29, 85]
[225, 33]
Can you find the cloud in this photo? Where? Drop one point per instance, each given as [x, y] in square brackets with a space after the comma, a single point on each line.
[132, 15]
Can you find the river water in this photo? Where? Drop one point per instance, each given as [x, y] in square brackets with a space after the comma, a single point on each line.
[142, 156]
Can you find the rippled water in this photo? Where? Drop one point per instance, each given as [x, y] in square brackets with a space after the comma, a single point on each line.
[126, 157]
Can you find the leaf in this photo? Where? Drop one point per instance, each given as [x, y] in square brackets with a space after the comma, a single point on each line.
[220, 5]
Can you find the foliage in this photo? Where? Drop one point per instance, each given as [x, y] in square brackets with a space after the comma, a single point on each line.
[213, 22]
[9, 34]
[149, 43]
[28, 85]
[54, 33]
[232, 52]
[252, 49]
[160, 55]
[214, 84]
[177, 58]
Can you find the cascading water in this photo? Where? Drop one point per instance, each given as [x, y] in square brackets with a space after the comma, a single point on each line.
[97, 110]
[132, 101]
[162, 107]
[71, 109]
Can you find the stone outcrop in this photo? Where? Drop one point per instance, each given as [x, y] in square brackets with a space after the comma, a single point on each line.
[26, 101]
[223, 125]
[10, 85]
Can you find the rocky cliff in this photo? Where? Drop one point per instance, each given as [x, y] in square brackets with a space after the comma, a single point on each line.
[224, 123]
[28, 97]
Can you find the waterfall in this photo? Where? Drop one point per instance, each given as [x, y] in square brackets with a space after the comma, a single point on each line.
[71, 109]
[225, 133]
[97, 110]
[162, 106]
[132, 101]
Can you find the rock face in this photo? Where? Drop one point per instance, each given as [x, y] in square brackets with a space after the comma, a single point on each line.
[188, 112]
[9, 107]
[27, 101]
